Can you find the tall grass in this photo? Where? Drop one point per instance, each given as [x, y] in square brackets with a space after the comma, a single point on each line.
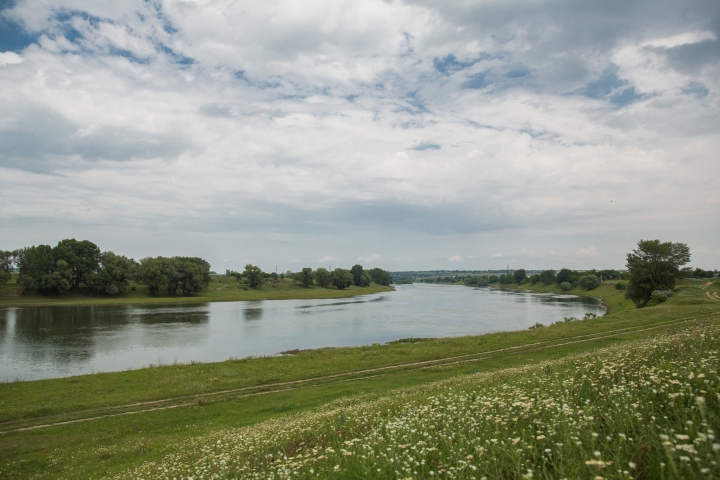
[645, 409]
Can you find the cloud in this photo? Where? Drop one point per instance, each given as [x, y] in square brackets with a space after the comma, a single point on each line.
[497, 255]
[590, 252]
[455, 258]
[370, 259]
[700, 249]
[360, 126]
[10, 58]
[326, 259]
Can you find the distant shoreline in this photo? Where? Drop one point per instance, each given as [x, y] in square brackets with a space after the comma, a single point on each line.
[218, 291]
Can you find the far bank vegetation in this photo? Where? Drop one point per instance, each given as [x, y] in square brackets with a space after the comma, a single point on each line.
[80, 267]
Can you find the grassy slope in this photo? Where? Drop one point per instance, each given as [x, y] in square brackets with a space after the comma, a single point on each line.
[110, 445]
[221, 289]
[643, 409]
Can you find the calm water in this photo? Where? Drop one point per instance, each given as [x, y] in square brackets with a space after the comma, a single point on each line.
[46, 342]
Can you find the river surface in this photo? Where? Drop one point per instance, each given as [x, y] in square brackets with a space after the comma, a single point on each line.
[48, 342]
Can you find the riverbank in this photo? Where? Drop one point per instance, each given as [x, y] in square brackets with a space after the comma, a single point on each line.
[612, 298]
[221, 289]
[100, 425]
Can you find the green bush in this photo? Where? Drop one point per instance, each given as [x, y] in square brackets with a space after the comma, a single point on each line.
[620, 286]
[588, 282]
[565, 286]
[661, 296]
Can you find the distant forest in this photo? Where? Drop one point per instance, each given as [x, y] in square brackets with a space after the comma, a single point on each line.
[565, 278]
[338, 277]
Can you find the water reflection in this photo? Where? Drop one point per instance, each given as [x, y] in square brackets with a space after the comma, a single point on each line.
[59, 341]
[251, 314]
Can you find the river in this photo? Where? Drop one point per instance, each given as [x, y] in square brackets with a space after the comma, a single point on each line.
[49, 342]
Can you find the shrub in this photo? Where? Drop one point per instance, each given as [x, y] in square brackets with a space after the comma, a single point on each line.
[620, 286]
[537, 325]
[661, 296]
[588, 282]
[565, 286]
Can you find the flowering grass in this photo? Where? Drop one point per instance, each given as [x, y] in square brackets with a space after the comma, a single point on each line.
[643, 409]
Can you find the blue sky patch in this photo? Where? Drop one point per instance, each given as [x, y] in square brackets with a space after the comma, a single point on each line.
[13, 37]
[624, 97]
[696, 89]
[178, 58]
[450, 64]
[608, 86]
[477, 81]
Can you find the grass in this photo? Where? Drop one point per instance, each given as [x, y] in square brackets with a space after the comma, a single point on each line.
[644, 409]
[201, 400]
[221, 289]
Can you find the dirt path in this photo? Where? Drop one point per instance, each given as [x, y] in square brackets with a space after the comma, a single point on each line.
[712, 295]
[187, 400]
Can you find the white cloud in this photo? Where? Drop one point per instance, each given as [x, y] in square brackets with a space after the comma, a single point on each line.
[327, 259]
[370, 259]
[590, 252]
[497, 255]
[352, 126]
[10, 58]
[455, 258]
[700, 249]
[681, 39]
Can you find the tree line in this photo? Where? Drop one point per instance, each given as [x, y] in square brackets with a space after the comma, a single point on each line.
[80, 266]
[653, 269]
[339, 277]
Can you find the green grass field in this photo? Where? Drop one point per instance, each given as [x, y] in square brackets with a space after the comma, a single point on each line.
[221, 289]
[106, 424]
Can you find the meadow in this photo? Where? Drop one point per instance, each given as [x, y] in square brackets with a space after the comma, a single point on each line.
[645, 409]
[164, 421]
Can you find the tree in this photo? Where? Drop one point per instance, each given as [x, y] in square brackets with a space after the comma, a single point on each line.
[357, 274]
[33, 263]
[82, 257]
[380, 276]
[305, 276]
[58, 281]
[563, 276]
[547, 276]
[186, 275]
[520, 276]
[506, 279]
[323, 277]
[6, 264]
[152, 272]
[588, 282]
[7, 260]
[4, 277]
[654, 265]
[113, 276]
[254, 275]
[179, 275]
[341, 278]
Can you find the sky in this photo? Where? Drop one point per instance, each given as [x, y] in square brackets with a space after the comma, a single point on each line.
[405, 135]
